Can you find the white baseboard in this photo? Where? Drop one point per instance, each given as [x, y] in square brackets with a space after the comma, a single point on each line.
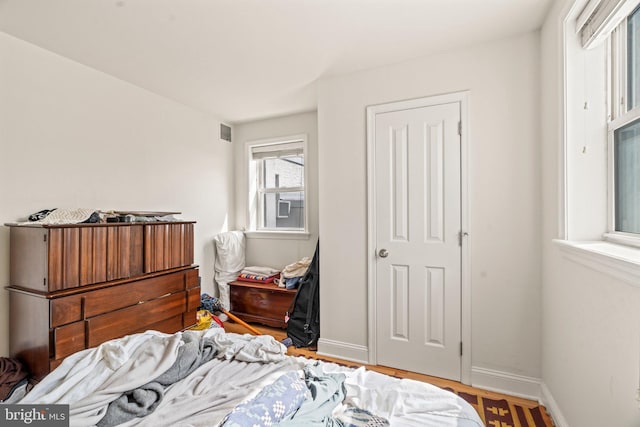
[552, 407]
[506, 383]
[343, 350]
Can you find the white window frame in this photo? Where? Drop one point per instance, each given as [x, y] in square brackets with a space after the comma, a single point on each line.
[255, 207]
[613, 254]
[618, 117]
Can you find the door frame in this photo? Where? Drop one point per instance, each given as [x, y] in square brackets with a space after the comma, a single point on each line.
[465, 267]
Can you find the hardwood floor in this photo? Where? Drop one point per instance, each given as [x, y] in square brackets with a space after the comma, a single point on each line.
[280, 334]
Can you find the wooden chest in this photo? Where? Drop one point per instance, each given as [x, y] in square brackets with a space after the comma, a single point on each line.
[261, 303]
[75, 287]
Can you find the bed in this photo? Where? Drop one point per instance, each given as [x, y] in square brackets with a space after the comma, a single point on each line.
[211, 378]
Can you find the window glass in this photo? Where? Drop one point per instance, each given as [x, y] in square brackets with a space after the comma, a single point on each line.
[277, 201]
[284, 172]
[627, 178]
[284, 210]
[633, 60]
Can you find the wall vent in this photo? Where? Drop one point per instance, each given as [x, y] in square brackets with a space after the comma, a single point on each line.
[225, 132]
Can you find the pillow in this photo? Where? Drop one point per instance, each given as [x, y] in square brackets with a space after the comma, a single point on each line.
[229, 255]
[229, 262]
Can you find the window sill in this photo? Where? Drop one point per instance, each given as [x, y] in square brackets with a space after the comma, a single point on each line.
[618, 261]
[292, 235]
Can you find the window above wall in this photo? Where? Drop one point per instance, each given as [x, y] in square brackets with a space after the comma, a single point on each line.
[600, 224]
[277, 187]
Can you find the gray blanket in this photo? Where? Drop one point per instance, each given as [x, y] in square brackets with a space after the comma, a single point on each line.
[144, 400]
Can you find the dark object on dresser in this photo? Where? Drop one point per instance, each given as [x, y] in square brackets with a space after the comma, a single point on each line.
[76, 286]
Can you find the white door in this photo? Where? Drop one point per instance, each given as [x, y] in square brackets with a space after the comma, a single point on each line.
[417, 232]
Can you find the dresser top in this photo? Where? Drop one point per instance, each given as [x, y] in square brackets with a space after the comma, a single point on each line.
[94, 224]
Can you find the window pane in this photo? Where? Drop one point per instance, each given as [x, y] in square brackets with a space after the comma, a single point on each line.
[627, 178]
[284, 172]
[284, 210]
[633, 60]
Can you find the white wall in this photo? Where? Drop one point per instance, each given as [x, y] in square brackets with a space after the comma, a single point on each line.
[591, 322]
[74, 137]
[503, 80]
[278, 252]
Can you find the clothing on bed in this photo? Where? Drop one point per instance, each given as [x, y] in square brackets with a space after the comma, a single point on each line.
[327, 392]
[358, 417]
[137, 403]
[404, 402]
[274, 403]
[144, 400]
[206, 396]
[242, 367]
[90, 379]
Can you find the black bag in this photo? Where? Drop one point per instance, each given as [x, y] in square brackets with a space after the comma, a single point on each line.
[303, 326]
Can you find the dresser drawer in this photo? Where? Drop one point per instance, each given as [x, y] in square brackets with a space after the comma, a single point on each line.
[109, 299]
[168, 326]
[89, 304]
[65, 310]
[167, 246]
[136, 318]
[79, 256]
[67, 340]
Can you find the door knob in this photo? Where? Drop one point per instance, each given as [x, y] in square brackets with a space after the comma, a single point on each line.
[383, 253]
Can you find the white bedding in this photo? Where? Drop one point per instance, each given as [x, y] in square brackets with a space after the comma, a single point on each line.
[404, 402]
[92, 378]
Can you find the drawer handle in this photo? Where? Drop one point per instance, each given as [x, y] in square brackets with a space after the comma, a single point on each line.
[161, 296]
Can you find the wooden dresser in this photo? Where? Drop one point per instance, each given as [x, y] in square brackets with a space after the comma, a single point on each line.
[261, 303]
[74, 287]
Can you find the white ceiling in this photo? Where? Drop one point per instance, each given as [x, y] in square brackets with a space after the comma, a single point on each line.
[246, 59]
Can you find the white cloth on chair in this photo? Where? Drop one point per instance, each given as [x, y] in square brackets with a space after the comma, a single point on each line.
[229, 262]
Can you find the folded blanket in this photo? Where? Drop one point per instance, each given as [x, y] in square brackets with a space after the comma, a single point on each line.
[261, 271]
[257, 278]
